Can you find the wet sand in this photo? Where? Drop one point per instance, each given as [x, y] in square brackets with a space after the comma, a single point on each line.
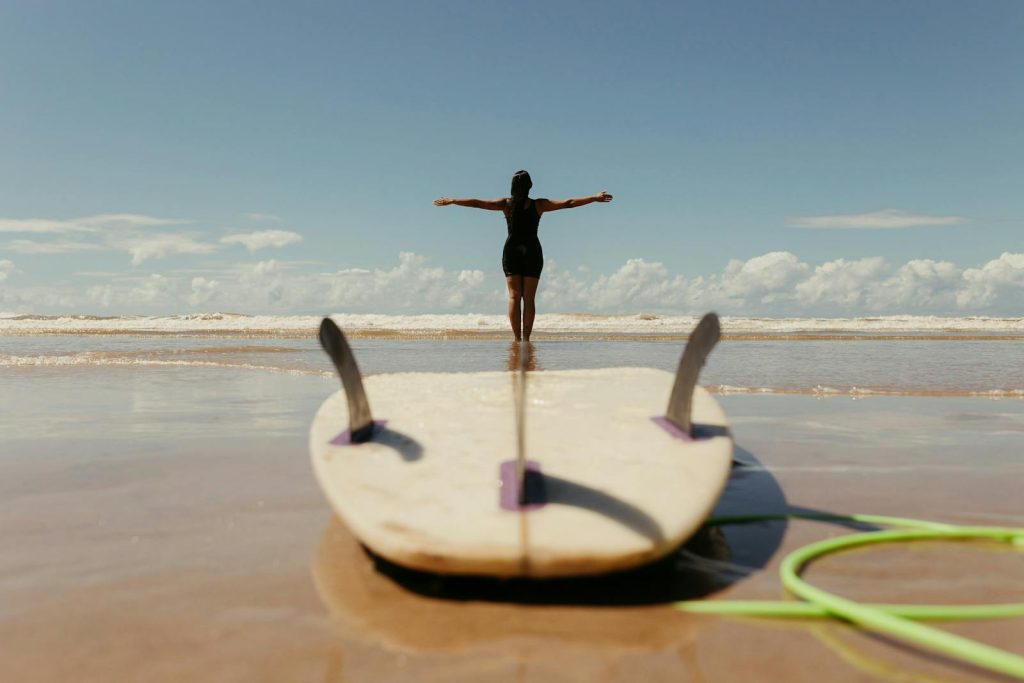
[166, 556]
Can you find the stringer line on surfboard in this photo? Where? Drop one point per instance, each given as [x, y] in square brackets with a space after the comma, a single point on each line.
[522, 481]
[360, 420]
[528, 481]
[520, 396]
[519, 386]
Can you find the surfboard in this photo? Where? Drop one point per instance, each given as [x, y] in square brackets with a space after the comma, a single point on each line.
[522, 474]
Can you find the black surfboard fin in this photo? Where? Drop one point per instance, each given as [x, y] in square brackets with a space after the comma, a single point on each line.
[698, 347]
[360, 421]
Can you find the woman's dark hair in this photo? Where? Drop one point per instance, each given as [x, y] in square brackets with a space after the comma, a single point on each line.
[521, 185]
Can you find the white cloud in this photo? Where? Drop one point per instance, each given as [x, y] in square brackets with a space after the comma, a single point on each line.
[106, 220]
[6, 267]
[267, 279]
[885, 219]
[263, 239]
[102, 295]
[641, 285]
[41, 225]
[265, 267]
[921, 284]
[998, 281]
[773, 284]
[264, 217]
[203, 291]
[472, 278]
[83, 224]
[468, 282]
[31, 247]
[841, 283]
[154, 288]
[151, 292]
[40, 299]
[763, 279]
[409, 286]
[120, 231]
[637, 284]
[160, 246]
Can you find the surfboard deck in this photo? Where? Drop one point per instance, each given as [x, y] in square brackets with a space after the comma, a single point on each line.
[621, 486]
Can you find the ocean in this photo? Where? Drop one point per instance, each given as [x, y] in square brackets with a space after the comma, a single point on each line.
[855, 357]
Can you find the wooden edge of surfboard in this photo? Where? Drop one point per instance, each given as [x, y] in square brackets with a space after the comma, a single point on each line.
[566, 541]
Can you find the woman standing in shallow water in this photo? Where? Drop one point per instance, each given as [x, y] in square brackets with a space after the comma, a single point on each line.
[523, 259]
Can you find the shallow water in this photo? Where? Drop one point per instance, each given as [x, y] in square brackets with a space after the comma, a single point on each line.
[966, 367]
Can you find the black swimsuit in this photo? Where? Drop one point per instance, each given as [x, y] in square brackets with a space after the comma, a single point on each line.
[522, 254]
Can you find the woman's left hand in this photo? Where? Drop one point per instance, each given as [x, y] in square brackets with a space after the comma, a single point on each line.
[443, 201]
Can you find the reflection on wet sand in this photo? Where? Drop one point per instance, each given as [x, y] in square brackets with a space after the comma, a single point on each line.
[524, 353]
[458, 640]
[607, 628]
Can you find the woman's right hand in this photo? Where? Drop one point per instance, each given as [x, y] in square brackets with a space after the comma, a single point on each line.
[602, 196]
[443, 201]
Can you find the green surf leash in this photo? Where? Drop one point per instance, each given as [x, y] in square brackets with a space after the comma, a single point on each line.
[895, 620]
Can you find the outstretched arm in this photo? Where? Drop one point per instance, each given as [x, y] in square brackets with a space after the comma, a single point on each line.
[489, 204]
[571, 203]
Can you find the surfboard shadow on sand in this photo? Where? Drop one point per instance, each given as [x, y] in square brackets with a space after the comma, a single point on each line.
[710, 561]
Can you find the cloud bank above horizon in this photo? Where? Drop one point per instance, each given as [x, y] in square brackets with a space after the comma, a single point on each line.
[777, 283]
[772, 284]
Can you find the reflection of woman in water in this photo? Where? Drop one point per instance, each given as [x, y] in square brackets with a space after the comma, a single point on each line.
[522, 258]
[524, 355]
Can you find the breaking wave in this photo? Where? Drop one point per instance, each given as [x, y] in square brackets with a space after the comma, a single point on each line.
[863, 392]
[142, 360]
[553, 325]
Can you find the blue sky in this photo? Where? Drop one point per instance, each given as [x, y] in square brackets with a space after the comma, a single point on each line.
[719, 127]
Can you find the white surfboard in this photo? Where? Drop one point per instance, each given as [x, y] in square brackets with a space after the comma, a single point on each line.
[612, 483]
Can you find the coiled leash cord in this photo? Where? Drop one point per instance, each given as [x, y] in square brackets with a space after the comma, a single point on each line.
[896, 620]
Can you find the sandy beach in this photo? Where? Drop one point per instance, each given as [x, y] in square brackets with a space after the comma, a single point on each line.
[164, 524]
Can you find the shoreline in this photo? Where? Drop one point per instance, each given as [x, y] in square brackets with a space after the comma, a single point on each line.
[500, 335]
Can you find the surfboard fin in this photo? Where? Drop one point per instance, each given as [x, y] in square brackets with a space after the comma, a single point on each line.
[360, 421]
[698, 347]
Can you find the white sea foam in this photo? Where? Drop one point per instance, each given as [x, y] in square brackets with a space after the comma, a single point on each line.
[87, 359]
[556, 323]
[861, 392]
[302, 362]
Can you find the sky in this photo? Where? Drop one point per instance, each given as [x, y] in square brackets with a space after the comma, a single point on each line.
[785, 158]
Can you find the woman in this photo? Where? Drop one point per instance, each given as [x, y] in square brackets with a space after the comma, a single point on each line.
[522, 258]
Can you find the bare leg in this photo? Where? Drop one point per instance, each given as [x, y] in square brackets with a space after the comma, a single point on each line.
[515, 293]
[530, 285]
